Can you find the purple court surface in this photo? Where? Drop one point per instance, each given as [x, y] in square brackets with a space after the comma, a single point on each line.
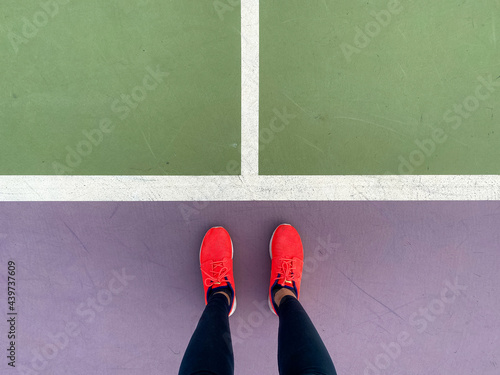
[115, 288]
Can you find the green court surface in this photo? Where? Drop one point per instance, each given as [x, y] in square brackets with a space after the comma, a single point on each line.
[379, 87]
[132, 87]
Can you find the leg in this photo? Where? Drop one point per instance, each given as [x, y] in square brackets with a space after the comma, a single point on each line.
[210, 349]
[300, 348]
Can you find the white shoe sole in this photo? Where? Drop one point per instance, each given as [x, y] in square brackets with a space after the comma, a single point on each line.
[232, 254]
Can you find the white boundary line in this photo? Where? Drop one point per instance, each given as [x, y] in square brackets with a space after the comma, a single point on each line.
[248, 186]
[241, 188]
[249, 87]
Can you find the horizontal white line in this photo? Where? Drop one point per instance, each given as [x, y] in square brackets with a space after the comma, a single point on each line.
[240, 188]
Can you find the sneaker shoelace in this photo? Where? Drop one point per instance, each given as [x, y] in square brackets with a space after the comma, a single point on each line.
[216, 277]
[287, 267]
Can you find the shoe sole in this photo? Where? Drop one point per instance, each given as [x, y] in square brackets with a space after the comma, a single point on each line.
[232, 254]
[271, 255]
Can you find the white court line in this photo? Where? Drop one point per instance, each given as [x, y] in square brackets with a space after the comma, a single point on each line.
[249, 87]
[248, 186]
[240, 188]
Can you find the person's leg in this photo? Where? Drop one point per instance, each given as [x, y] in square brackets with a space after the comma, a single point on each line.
[300, 348]
[210, 350]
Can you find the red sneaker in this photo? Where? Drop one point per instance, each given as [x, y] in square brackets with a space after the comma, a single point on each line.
[216, 264]
[287, 260]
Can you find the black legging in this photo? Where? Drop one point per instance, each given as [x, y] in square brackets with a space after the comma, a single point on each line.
[300, 349]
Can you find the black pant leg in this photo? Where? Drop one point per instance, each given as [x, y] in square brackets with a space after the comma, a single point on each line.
[210, 349]
[300, 348]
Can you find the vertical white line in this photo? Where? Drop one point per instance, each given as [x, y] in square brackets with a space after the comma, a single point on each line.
[249, 87]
